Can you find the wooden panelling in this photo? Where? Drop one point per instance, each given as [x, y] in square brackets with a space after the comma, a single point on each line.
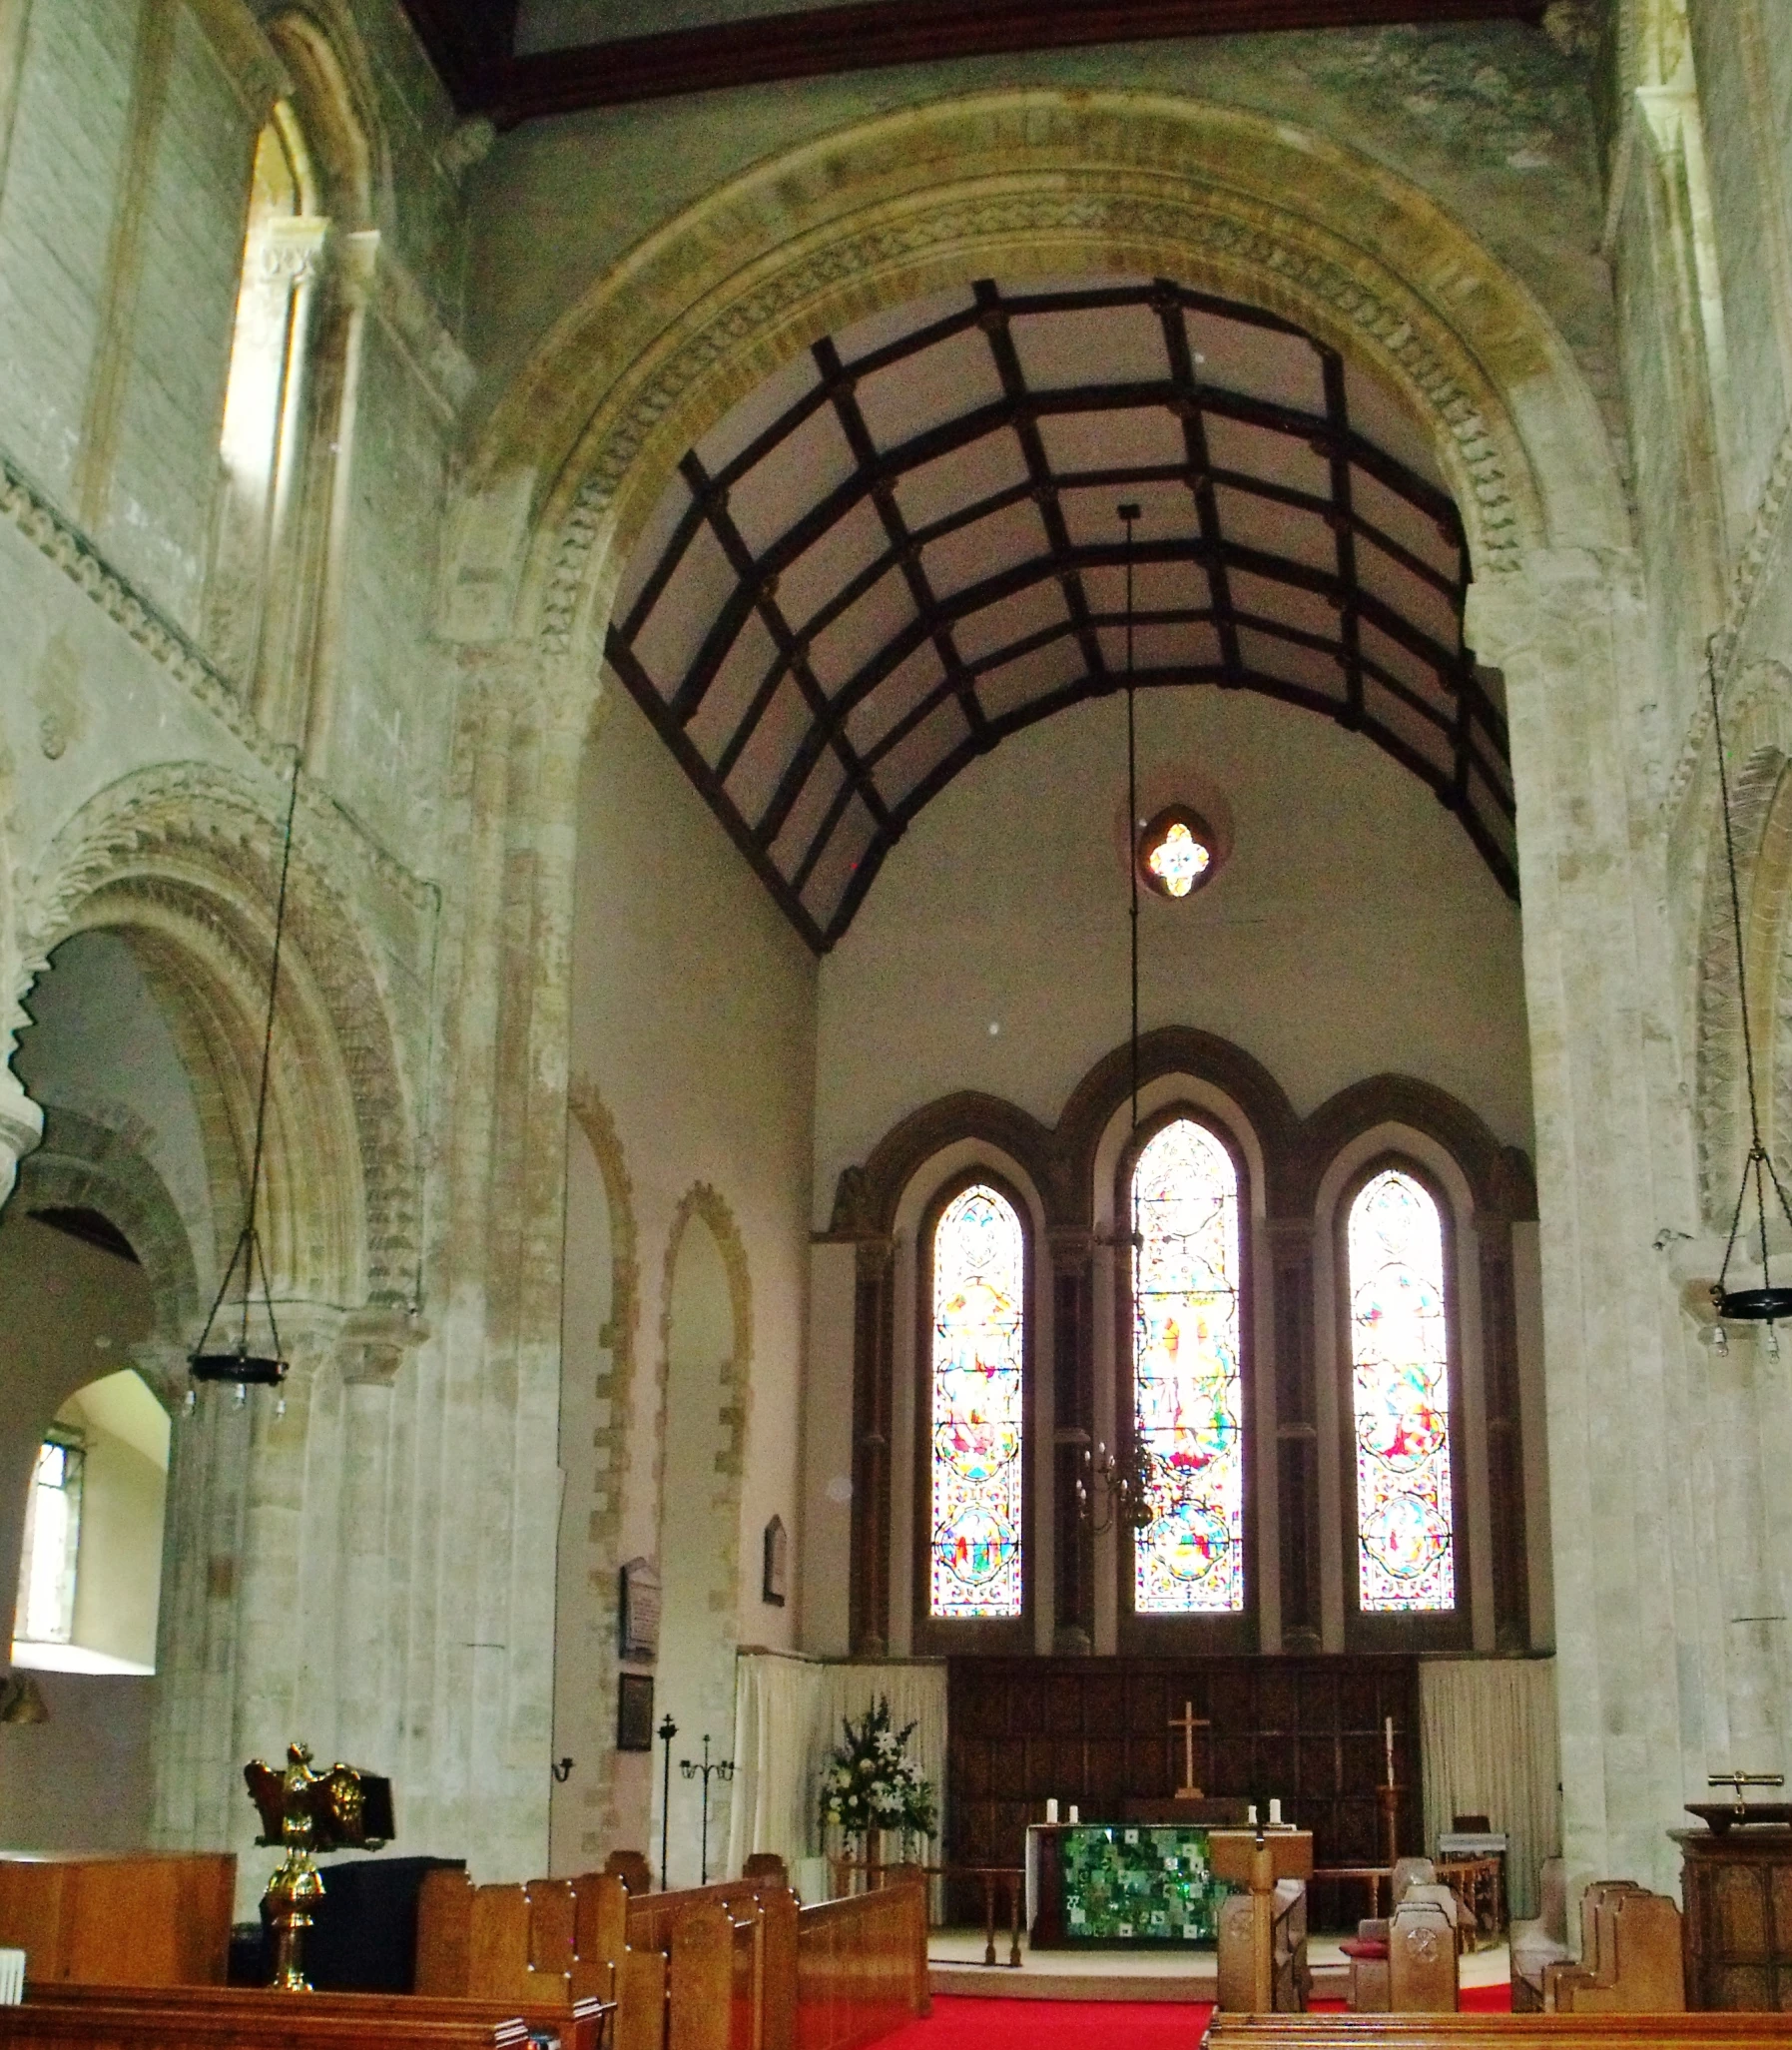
[1495, 2031]
[1738, 1895]
[275, 2022]
[1307, 1732]
[380, 2016]
[149, 1918]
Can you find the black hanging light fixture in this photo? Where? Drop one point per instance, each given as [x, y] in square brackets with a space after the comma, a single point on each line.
[1124, 1476]
[231, 1359]
[1764, 1305]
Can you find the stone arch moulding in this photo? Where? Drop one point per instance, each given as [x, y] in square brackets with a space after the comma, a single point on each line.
[183, 861]
[712, 302]
[82, 1165]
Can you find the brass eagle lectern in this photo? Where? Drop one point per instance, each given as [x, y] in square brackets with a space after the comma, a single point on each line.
[304, 1813]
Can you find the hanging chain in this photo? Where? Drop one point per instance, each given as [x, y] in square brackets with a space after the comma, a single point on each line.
[1759, 1162]
[1130, 513]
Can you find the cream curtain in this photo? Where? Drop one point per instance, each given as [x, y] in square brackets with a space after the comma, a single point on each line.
[1488, 1741]
[788, 1715]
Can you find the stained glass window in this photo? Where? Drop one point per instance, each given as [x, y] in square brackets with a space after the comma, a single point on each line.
[1177, 860]
[980, 1282]
[1185, 1363]
[1400, 1385]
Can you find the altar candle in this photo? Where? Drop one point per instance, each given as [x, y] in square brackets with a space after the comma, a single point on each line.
[1275, 1814]
[1073, 1812]
[1051, 1810]
[1388, 1732]
[1251, 1816]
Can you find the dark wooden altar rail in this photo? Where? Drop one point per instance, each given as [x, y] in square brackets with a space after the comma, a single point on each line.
[283, 2022]
[585, 2025]
[1497, 2031]
[1013, 1880]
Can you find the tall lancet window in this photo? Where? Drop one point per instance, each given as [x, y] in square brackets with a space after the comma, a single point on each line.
[1187, 1382]
[1400, 1390]
[978, 1339]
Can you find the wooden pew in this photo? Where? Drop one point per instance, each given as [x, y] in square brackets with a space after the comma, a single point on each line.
[585, 2025]
[861, 1965]
[542, 1945]
[143, 1918]
[1698, 2031]
[1630, 1956]
[275, 2022]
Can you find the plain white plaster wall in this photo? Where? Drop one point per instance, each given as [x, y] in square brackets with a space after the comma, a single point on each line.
[693, 1019]
[1353, 931]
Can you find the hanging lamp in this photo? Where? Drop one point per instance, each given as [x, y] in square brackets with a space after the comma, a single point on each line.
[231, 1360]
[1766, 1305]
[1124, 1476]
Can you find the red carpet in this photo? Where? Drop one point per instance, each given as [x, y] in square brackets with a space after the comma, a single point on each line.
[976, 2024]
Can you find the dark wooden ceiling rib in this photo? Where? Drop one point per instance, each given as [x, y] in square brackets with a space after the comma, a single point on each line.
[874, 34]
[1464, 761]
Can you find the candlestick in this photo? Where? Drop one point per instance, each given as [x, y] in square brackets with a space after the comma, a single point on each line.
[1389, 1734]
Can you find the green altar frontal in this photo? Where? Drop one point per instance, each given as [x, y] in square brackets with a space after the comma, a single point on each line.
[1135, 1883]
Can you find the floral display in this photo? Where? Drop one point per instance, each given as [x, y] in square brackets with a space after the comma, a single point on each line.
[870, 1782]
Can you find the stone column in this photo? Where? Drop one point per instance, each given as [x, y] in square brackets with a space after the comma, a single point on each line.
[1614, 1161]
[21, 1127]
[1074, 1387]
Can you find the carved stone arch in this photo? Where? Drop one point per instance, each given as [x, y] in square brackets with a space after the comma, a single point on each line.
[83, 1165]
[338, 106]
[865, 1199]
[184, 864]
[716, 300]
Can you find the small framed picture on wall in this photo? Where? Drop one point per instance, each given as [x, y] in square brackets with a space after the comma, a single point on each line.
[634, 1711]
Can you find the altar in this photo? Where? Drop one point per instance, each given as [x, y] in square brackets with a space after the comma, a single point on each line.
[1137, 1886]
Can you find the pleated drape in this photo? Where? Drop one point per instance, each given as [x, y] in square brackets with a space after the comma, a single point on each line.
[1489, 1744]
[787, 1716]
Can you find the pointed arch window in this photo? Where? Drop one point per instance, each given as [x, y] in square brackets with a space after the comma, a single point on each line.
[1400, 1398]
[1188, 1392]
[976, 1506]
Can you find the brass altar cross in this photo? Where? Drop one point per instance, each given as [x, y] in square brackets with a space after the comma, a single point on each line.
[1188, 1723]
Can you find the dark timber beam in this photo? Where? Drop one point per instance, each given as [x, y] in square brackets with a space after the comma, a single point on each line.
[873, 34]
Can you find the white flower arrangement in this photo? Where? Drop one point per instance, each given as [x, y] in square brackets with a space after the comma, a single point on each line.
[869, 1782]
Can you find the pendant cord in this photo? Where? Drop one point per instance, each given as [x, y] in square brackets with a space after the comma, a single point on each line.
[1130, 513]
[255, 1164]
[1757, 1153]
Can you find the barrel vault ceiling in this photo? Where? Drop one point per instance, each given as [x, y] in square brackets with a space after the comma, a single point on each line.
[906, 545]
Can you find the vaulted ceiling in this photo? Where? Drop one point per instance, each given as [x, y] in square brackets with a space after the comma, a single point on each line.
[906, 545]
[519, 59]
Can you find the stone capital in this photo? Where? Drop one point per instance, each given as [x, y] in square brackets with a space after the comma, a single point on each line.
[294, 250]
[373, 1343]
[21, 1127]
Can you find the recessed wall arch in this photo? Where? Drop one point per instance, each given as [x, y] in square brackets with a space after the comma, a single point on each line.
[182, 863]
[715, 301]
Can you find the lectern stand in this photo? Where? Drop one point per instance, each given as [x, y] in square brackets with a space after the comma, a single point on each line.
[1256, 1861]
